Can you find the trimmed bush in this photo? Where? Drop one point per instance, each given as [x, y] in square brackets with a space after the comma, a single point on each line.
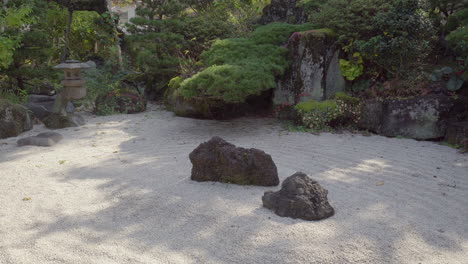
[237, 68]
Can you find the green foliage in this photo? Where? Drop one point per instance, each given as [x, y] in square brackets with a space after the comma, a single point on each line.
[12, 21]
[457, 20]
[13, 98]
[277, 33]
[100, 82]
[458, 35]
[351, 69]
[391, 36]
[32, 39]
[317, 115]
[163, 38]
[120, 101]
[349, 108]
[240, 67]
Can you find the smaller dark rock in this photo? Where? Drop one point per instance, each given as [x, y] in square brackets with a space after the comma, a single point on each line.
[218, 160]
[57, 121]
[45, 139]
[299, 197]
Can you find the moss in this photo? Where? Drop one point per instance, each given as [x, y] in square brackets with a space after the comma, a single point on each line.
[312, 105]
[341, 96]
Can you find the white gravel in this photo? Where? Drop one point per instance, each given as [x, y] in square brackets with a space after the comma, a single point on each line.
[118, 190]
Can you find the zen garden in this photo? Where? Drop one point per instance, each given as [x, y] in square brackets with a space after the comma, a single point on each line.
[234, 131]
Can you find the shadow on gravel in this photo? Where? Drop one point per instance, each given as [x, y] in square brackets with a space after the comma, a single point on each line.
[381, 197]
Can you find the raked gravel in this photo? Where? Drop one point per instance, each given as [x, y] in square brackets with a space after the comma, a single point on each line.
[118, 190]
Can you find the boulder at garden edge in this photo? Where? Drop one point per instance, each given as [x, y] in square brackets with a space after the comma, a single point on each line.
[14, 119]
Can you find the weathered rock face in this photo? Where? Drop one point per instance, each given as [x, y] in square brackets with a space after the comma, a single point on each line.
[315, 73]
[46, 139]
[299, 197]
[457, 134]
[218, 160]
[57, 121]
[283, 11]
[422, 117]
[14, 119]
[122, 102]
[206, 108]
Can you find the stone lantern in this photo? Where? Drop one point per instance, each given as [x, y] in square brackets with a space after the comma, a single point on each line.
[73, 84]
[73, 88]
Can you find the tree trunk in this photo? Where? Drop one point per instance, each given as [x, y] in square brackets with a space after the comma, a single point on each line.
[65, 50]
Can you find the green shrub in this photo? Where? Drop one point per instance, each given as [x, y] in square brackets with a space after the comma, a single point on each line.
[456, 20]
[277, 33]
[240, 67]
[318, 115]
[344, 110]
[458, 40]
[391, 36]
[349, 108]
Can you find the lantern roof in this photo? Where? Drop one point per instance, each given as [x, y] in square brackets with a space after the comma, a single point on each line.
[72, 64]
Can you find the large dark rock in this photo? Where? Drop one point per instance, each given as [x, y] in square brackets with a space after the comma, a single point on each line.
[283, 11]
[299, 197]
[422, 117]
[14, 119]
[126, 102]
[218, 160]
[46, 139]
[314, 73]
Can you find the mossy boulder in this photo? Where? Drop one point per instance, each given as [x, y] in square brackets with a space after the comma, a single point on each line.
[14, 119]
[314, 73]
[421, 117]
[126, 102]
